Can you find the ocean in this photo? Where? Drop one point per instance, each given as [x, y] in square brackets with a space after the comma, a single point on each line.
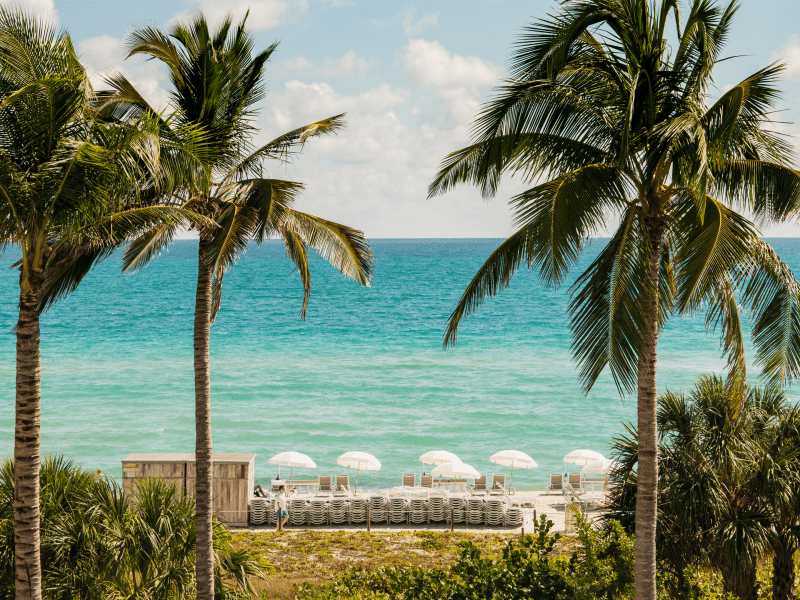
[365, 371]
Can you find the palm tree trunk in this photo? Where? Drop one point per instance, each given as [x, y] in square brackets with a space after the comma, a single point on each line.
[203, 460]
[27, 560]
[783, 570]
[740, 582]
[647, 478]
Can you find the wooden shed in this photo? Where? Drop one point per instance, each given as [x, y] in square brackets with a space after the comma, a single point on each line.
[232, 483]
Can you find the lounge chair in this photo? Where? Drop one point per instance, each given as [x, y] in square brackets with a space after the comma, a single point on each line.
[426, 481]
[498, 482]
[324, 483]
[556, 482]
[409, 480]
[480, 484]
[343, 482]
[575, 480]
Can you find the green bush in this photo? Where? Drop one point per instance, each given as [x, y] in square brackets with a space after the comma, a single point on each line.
[600, 567]
[99, 543]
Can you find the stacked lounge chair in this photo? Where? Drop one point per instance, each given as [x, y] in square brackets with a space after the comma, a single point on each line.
[379, 508]
[438, 509]
[318, 511]
[258, 511]
[298, 512]
[398, 509]
[496, 511]
[514, 516]
[417, 510]
[476, 511]
[458, 507]
[340, 509]
[358, 510]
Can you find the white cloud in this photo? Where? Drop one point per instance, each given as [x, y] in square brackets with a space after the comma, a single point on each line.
[264, 14]
[790, 54]
[348, 65]
[40, 8]
[455, 78]
[410, 27]
[103, 54]
[374, 174]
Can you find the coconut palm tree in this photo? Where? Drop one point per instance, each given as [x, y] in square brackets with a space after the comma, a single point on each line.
[73, 187]
[613, 125]
[216, 83]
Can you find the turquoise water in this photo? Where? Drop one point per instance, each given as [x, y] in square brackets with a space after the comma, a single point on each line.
[366, 371]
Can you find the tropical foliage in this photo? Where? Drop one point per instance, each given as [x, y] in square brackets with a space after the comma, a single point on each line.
[729, 487]
[601, 566]
[607, 115]
[216, 83]
[100, 543]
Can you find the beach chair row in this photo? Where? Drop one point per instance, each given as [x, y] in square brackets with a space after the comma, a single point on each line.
[574, 483]
[390, 510]
[427, 481]
[323, 483]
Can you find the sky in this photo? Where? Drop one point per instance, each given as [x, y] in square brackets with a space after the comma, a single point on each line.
[410, 78]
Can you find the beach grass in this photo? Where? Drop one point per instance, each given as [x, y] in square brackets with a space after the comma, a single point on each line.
[317, 557]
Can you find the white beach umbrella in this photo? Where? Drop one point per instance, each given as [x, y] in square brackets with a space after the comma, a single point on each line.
[583, 457]
[600, 467]
[360, 461]
[513, 458]
[437, 457]
[456, 469]
[292, 459]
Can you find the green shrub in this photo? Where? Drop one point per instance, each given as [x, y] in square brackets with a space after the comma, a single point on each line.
[99, 543]
[601, 567]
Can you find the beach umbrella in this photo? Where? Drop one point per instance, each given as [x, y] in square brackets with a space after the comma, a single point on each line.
[437, 457]
[583, 457]
[600, 467]
[292, 459]
[455, 470]
[513, 458]
[360, 461]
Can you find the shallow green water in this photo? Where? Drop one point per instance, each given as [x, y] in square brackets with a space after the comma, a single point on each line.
[366, 371]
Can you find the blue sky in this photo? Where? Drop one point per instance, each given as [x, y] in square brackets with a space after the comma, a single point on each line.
[409, 76]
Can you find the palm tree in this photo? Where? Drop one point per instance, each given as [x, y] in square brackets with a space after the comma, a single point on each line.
[610, 123]
[73, 187]
[727, 485]
[215, 86]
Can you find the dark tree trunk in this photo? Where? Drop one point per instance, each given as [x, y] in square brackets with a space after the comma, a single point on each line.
[27, 560]
[203, 458]
[740, 582]
[783, 570]
[647, 488]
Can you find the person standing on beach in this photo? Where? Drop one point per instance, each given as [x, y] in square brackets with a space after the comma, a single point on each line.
[280, 504]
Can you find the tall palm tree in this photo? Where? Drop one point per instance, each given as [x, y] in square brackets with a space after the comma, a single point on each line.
[73, 187]
[611, 123]
[216, 83]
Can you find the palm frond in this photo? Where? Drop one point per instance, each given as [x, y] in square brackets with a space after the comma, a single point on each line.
[296, 251]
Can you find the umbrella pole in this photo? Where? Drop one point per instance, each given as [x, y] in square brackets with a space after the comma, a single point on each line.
[510, 479]
[291, 472]
[357, 472]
